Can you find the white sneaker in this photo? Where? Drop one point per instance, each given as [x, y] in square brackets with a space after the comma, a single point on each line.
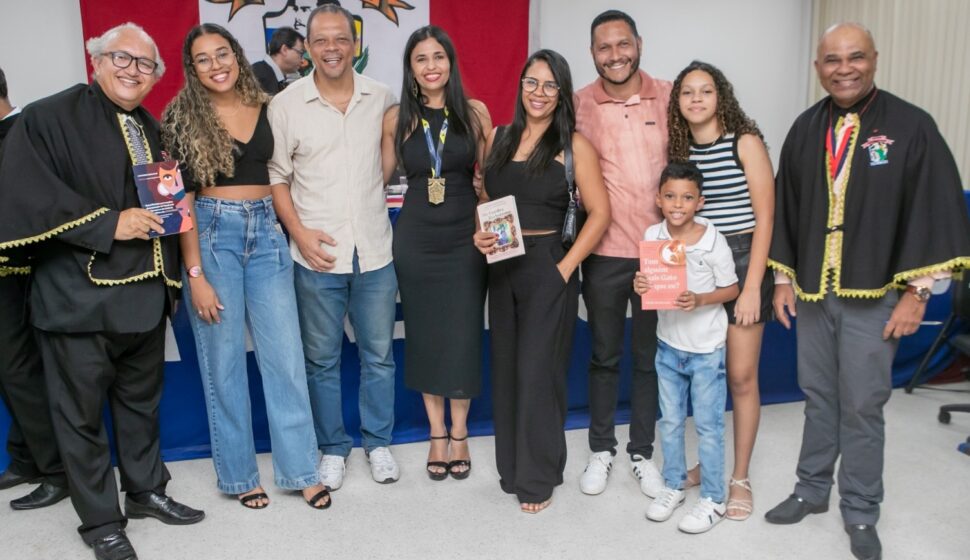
[702, 516]
[331, 470]
[646, 471]
[383, 467]
[664, 504]
[597, 473]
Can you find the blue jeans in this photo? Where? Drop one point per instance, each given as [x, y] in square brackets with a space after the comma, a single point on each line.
[369, 299]
[704, 377]
[246, 261]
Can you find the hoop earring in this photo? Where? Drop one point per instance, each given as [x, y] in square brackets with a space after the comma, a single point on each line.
[414, 88]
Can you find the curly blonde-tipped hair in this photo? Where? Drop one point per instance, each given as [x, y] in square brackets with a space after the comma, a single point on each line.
[730, 116]
[190, 126]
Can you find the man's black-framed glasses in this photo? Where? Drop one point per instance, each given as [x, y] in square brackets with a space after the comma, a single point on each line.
[121, 59]
[550, 89]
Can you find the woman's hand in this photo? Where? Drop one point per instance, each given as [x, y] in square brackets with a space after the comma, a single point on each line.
[485, 241]
[205, 300]
[747, 308]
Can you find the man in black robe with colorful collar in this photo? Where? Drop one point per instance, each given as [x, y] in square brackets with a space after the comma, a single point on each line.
[101, 287]
[869, 210]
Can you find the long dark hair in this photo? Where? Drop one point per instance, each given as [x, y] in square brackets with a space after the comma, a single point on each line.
[560, 130]
[461, 117]
[730, 116]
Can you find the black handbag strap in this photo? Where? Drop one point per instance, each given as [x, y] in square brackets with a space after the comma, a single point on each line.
[568, 164]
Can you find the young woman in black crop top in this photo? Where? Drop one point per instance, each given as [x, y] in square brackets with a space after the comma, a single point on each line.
[534, 298]
[238, 271]
[432, 256]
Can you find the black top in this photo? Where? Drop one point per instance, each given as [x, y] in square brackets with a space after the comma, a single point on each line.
[541, 200]
[65, 176]
[250, 159]
[457, 161]
[904, 210]
[267, 78]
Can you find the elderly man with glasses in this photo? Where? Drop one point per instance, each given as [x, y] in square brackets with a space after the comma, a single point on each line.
[101, 284]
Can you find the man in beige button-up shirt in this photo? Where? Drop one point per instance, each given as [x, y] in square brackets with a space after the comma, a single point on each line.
[328, 192]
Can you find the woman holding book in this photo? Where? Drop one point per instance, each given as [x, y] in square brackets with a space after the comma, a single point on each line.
[437, 134]
[533, 298]
[238, 271]
[708, 127]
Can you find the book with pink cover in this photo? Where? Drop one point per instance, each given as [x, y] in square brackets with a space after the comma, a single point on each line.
[501, 217]
[161, 191]
[664, 262]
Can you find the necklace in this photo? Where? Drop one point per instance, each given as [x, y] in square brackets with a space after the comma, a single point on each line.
[225, 114]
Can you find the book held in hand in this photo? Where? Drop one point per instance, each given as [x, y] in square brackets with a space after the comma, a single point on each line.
[501, 217]
[664, 262]
[162, 192]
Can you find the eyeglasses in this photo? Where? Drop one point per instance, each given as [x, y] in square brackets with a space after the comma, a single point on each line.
[204, 63]
[301, 52]
[121, 59]
[550, 89]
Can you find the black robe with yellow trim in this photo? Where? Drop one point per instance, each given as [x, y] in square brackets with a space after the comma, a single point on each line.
[12, 261]
[65, 175]
[904, 210]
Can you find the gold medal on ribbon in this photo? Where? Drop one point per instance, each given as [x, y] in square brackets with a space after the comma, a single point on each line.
[436, 190]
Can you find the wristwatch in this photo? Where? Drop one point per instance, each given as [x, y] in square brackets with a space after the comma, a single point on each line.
[921, 293]
[194, 271]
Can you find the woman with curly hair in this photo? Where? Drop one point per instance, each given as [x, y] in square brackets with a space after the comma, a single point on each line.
[707, 126]
[238, 270]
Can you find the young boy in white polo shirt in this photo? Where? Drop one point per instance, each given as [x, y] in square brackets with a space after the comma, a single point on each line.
[690, 350]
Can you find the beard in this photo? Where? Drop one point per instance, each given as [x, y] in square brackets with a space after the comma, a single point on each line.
[634, 66]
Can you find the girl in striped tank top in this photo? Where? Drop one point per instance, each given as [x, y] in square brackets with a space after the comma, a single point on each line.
[707, 126]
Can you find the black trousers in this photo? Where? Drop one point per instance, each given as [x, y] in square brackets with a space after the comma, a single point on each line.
[532, 316]
[607, 290]
[30, 442]
[85, 371]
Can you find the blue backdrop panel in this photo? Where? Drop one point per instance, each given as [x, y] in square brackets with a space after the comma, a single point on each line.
[185, 433]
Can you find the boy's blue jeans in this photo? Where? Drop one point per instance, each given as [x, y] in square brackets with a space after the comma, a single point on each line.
[704, 376]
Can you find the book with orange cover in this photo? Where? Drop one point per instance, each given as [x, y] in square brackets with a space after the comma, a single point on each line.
[664, 262]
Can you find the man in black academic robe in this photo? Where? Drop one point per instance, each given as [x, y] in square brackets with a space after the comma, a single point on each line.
[869, 212]
[30, 440]
[101, 288]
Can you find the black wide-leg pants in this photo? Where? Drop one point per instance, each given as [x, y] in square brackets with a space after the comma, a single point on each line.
[84, 372]
[532, 316]
[30, 441]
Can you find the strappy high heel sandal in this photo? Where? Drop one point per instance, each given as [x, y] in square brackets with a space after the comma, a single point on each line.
[443, 465]
[460, 474]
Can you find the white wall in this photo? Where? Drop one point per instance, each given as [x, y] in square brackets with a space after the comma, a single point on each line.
[762, 46]
[41, 48]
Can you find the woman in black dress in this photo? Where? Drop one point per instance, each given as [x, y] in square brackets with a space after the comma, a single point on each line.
[437, 135]
[533, 299]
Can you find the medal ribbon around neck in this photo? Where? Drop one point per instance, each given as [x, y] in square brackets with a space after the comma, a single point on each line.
[837, 143]
[436, 183]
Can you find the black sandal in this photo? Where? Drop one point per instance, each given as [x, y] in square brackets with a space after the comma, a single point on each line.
[433, 475]
[312, 502]
[460, 475]
[253, 501]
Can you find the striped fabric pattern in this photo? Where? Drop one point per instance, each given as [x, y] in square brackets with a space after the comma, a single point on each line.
[727, 200]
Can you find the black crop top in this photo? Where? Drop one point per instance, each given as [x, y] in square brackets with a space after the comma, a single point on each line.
[250, 159]
[541, 200]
